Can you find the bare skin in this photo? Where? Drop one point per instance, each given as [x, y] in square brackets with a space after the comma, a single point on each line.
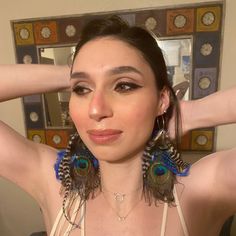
[207, 196]
[199, 196]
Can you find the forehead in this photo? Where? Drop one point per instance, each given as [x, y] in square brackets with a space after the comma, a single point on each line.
[109, 50]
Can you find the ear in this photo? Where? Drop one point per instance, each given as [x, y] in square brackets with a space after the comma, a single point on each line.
[164, 101]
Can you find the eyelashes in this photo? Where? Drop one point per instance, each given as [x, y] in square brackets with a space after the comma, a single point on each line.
[81, 90]
[120, 87]
[124, 87]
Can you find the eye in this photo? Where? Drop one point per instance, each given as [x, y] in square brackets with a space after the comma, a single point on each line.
[81, 90]
[123, 87]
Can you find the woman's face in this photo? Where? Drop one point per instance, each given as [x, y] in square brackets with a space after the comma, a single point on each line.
[114, 101]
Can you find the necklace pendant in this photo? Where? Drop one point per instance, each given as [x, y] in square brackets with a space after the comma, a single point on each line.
[121, 218]
[119, 197]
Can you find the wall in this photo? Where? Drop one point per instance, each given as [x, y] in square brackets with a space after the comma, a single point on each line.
[14, 202]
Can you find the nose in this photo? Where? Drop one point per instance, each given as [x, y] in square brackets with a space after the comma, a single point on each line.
[100, 107]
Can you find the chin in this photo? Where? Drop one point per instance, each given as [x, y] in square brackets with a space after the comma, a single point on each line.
[114, 156]
[116, 152]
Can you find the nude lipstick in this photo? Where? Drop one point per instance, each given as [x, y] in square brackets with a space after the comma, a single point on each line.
[106, 136]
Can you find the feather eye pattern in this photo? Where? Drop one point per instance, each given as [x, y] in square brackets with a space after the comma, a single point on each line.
[161, 164]
[78, 171]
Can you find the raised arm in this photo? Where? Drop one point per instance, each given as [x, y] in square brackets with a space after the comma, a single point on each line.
[213, 110]
[216, 109]
[22, 161]
[21, 80]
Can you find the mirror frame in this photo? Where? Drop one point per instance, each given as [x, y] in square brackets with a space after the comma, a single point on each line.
[203, 22]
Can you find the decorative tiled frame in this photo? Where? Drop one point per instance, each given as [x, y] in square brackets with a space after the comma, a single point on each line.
[201, 22]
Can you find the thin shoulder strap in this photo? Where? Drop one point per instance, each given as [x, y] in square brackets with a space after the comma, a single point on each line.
[183, 223]
[164, 219]
[82, 221]
[70, 226]
[56, 223]
[82, 217]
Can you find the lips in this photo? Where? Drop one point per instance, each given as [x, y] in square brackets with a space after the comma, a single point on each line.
[104, 136]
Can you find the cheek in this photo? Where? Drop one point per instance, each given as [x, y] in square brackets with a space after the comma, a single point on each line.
[77, 113]
[141, 109]
[140, 117]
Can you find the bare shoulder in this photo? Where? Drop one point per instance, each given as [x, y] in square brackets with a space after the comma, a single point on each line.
[211, 183]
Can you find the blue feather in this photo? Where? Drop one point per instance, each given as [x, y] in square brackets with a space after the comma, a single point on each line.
[60, 156]
[165, 158]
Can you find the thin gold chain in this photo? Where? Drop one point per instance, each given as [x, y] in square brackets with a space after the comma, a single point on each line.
[121, 218]
[119, 197]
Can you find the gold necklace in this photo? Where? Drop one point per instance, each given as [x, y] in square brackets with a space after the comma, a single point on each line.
[120, 197]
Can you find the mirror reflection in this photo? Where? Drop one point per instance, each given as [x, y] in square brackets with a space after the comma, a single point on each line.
[178, 57]
[56, 105]
[177, 54]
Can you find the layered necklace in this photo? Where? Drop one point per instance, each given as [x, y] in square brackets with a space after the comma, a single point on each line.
[120, 199]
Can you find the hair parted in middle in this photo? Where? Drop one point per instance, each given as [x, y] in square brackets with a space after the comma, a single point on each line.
[158, 147]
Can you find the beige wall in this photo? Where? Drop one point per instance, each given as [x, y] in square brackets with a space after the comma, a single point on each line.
[14, 203]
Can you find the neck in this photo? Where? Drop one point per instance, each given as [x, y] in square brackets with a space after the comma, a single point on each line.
[121, 185]
[122, 177]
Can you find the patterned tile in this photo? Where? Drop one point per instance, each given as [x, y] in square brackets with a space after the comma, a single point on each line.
[153, 20]
[207, 49]
[23, 33]
[26, 55]
[208, 18]
[180, 21]
[57, 138]
[202, 140]
[204, 82]
[69, 30]
[45, 32]
[34, 116]
[38, 136]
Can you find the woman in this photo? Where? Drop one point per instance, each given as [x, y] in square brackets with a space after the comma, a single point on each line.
[121, 170]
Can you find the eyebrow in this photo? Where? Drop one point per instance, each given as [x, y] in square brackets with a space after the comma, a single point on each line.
[77, 75]
[114, 71]
[124, 69]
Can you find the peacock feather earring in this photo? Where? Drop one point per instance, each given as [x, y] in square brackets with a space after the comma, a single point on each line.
[78, 171]
[161, 164]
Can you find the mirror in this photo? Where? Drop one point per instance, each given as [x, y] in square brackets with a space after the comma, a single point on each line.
[56, 105]
[181, 31]
[177, 54]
